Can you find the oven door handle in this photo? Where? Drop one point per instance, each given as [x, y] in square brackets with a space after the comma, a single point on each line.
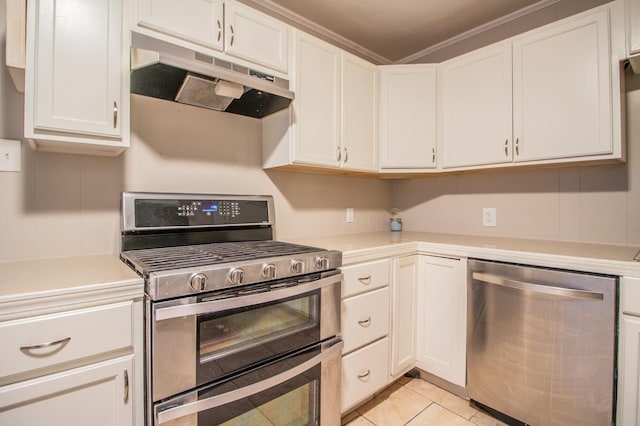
[186, 409]
[243, 301]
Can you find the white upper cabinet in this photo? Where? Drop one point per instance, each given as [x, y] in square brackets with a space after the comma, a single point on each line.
[316, 108]
[222, 28]
[331, 123]
[632, 13]
[253, 36]
[562, 91]
[476, 108]
[197, 21]
[407, 117]
[76, 91]
[359, 114]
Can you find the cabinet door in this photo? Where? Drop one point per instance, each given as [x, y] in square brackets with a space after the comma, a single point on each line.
[442, 316]
[562, 90]
[197, 21]
[633, 26]
[403, 338]
[629, 389]
[476, 108]
[255, 36]
[99, 394]
[408, 117]
[359, 114]
[75, 57]
[316, 108]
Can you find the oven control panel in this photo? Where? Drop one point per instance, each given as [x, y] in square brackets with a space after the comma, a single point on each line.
[197, 212]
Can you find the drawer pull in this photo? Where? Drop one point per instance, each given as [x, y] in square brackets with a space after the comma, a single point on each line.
[365, 323]
[364, 376]
[126, 386]
[365, 280]
[61, 342]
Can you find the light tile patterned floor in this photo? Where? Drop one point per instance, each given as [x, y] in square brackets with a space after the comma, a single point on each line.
[415, 402]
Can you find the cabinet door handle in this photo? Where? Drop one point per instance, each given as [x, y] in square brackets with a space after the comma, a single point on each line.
[506, 147]
[60, 342]
[115, 114]
[219, 30]
[365, 322]
[126, 386]
[365, 280]
[346, 154]
[233, 34]
[433, 155]
[517, 146]
[364, 376]
[339, 155]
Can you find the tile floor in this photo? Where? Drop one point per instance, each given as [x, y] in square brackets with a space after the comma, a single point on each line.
[416, 402]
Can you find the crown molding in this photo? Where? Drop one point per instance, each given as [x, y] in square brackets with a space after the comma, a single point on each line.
[306, 24]
[479, 30]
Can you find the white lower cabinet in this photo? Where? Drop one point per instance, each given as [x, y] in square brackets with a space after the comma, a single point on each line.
[442, 305]
[404, 307]
[98, 394]
[629, 354]
[363, 372]
[365, 330]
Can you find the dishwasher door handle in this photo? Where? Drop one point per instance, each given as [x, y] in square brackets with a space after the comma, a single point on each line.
[537, 288]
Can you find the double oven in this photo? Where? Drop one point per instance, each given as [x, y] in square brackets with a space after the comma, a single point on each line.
[239, 329]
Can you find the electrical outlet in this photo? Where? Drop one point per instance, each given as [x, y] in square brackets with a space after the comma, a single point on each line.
[349, 215]
[489, 216]
[9, 155]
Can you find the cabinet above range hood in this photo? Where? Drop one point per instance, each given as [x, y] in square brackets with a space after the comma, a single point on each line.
[166, 71]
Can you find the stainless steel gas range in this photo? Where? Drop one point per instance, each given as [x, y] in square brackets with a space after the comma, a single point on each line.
[239, 328]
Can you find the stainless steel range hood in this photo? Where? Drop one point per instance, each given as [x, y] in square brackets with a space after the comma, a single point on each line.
[166, 71]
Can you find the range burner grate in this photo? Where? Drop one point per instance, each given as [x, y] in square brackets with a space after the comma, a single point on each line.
[168, 258]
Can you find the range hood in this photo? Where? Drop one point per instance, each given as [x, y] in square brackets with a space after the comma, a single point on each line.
[166, 71]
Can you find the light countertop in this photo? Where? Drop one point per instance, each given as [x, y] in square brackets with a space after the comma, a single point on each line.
[49, 284]
[589, 257]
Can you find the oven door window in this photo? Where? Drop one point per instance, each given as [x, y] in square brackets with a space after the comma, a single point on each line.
[237, 338]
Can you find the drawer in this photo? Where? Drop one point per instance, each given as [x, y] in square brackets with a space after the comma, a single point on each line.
[364, 372]
[365, 318]
[365, 276]
[67, 339]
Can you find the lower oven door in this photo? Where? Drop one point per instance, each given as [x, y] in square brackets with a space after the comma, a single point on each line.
[300, 389]
[198, 340]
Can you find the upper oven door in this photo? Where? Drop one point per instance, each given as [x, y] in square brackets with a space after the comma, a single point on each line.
[197, 340]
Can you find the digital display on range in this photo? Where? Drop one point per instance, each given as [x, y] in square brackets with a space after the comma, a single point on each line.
[172, 213]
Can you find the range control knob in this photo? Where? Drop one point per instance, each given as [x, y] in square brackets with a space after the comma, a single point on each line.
[236, 276]
[322, 263]
[198, 282]
[297, 266]
[269, 271]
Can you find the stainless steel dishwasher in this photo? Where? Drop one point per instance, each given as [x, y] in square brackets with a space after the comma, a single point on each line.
[541, 343]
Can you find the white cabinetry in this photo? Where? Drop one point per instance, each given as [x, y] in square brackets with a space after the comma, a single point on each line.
[476, 108]
[565, 104]
[365, 330]
[331, 123]
[629, 354]
[197, 21]
[236, 29]
[632, 12]
[442, 316]
[96, 395]
[77, 85]
[77, 366]
[404, 306]
[407, 117]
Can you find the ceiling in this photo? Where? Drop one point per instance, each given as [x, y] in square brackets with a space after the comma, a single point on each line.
[393, 31]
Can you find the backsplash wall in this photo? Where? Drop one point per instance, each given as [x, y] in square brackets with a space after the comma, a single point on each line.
[593, 203]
